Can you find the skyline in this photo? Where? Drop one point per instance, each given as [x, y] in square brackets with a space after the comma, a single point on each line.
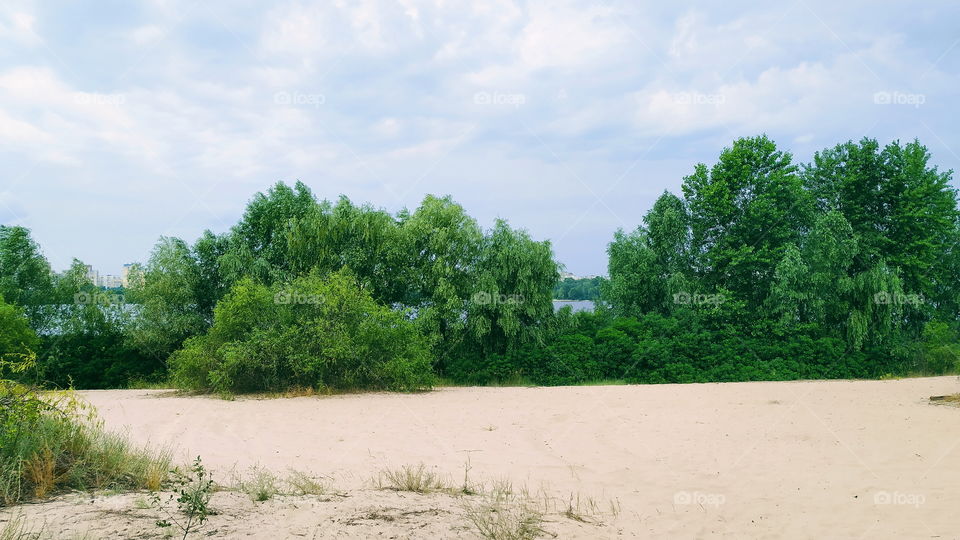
[124, 122]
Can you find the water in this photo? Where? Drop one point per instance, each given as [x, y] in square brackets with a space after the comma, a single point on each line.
[576, 305]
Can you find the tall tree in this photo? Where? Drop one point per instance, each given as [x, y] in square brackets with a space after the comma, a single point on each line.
[744, 212]
[902, 209]
[513, 282]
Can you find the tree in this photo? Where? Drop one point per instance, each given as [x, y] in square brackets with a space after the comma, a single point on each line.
[25, 276]
[317, 331]
[210, 285]
[903, 211]
[258, 242]
[744, 212]
[16, 336]
[514, 280]
[636, 285]
[169, 311]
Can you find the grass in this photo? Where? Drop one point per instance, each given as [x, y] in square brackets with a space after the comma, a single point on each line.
[505, 519]
[262, 485]
[411, 478]
[59, 454]
[496, 510]
[16, 529]
[61, 447]
[952, 399]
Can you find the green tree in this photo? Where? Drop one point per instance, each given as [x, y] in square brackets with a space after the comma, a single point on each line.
[744, 212]
[258, 242]
[16, 336]
[514, 280]
[902, 210]
[169, 311]
[25, 276]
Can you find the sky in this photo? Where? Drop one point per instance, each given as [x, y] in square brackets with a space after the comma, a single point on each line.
[124, 121]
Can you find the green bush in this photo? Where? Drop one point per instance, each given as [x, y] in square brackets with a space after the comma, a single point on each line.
[313, 332]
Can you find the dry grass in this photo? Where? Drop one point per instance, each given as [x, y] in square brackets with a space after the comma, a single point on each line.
[505, 519]
[41, 471]
[262, 485]
[411, 478]
[952, 399]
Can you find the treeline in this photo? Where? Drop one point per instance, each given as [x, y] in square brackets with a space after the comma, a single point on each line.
[760, 269]
[578, 289]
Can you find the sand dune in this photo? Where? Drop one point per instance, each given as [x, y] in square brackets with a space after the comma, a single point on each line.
[823, 459]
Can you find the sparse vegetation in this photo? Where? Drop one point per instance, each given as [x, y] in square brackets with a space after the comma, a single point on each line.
[417, 479]
[192, 498]
[499, 519]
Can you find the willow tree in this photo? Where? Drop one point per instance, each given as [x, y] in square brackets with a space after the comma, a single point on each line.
[513, 291]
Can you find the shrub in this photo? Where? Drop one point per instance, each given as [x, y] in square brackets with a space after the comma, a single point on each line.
[313, 332]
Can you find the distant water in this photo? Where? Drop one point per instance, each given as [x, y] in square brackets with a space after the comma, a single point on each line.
[577, 305]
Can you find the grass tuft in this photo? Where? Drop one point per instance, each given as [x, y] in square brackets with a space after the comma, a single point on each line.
[411, 478]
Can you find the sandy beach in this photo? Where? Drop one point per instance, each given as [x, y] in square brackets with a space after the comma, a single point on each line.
[821, 459]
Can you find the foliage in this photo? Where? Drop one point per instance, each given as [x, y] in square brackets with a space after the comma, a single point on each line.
[316, 331]
[192, 496]
[761, 268]
[578, 289]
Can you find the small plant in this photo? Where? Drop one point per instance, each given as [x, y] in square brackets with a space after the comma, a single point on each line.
[194, 492]
[467, 488]
[302, 484]
[502, 520]
[262, 485]
[416, 479]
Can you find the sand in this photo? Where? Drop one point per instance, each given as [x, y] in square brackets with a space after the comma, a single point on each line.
[820, 459]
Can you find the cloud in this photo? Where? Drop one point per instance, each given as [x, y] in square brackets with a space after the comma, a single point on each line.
[135, 110]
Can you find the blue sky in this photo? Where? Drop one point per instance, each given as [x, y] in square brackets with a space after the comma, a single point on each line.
[123, 121]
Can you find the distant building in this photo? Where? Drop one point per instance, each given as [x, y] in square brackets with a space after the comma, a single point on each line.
[110, 282]
[92, 275]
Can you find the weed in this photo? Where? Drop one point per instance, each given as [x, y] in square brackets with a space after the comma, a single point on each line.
[302, 484]
[503, 520]
[417, 479]
[194, 492]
